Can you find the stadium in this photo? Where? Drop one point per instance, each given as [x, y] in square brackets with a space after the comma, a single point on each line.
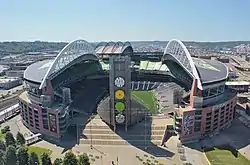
[77, 82]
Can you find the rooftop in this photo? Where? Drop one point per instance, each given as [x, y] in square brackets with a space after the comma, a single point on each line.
[237, 83]
[210, 70]
[35, 72]
[5, 80]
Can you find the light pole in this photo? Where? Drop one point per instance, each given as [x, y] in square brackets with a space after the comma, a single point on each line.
[77, 134]
[91, 131]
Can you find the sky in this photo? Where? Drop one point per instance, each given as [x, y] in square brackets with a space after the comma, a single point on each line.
[124, 20]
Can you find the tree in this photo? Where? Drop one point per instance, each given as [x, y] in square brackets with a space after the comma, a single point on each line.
[2, 146]
[5, 129]
[83, 159]
[9, 139]
[10, 156]
[33, 159]
[22, 156]
[46, 159]
[20, 139]
[58, 161]
[69, 159]
[1, 157]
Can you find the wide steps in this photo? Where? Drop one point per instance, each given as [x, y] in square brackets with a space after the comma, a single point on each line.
[121, 142]
[138, 126]
[139, 132]
[116, 137]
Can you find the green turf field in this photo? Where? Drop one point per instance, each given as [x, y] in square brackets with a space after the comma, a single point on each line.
[225, 157]
[146, 98]
[38, 150]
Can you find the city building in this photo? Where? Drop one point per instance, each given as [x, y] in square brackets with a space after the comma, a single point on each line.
[8, 83]
[239, 86]
[77, 82]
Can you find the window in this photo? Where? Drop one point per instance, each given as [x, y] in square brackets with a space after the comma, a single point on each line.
[44, 110]
[205, 93]
[45, 124]
[197, 126]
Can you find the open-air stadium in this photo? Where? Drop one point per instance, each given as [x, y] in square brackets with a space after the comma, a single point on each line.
[76, 83]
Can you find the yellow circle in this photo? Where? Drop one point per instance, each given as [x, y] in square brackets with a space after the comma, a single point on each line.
[119, 94]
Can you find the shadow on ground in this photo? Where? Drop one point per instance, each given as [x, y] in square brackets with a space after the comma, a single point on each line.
[237, 135]
[139, 136]
[71, 136]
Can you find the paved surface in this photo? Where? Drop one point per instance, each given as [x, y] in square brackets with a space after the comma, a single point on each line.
[238, 135]
[127, 155]
[16, 125]
[104, 155]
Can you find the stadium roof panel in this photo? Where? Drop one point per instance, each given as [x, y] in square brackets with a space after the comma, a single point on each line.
[36, 71]
[111, 47]
[210, 70]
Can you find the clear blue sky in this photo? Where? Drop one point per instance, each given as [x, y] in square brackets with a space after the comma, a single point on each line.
[106, 20]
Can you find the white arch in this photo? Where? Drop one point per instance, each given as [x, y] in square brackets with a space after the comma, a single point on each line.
[178, 50]
[70, 52]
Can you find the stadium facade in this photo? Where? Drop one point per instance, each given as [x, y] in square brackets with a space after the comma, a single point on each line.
[77, 81]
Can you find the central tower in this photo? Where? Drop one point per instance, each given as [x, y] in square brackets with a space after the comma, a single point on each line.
[120, 91]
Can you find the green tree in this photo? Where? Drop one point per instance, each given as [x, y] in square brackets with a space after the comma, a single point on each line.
[58, 161]
[22, 156]
[9, 139]
[10, 156]
[69, 159]
[46, 159]
[20, 139]
[2, 146]
[1, 157]
[33, 159]
[83, 159]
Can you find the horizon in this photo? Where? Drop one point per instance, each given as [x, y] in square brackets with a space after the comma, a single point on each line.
[112, 20]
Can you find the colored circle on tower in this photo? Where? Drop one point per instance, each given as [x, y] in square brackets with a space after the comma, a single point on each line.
[120, 118]
[119, 94]
[119, 82]
[119, 106]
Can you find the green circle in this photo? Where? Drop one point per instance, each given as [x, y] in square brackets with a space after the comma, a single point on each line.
[119, 106]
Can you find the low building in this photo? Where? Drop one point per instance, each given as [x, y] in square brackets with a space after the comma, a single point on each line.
[8, 83]
[14, 73]
[239, 86]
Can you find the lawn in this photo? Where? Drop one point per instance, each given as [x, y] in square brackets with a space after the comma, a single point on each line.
[1, 136]
[146, 98]
[225, 157]
[38, 150]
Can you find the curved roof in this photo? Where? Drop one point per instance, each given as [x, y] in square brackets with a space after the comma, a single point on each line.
[179, 52]
[210, 70]
[204, 70]
[112, 47]
[70, 52]
[36, 71]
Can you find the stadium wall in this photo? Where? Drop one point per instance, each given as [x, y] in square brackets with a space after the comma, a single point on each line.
[212, 120]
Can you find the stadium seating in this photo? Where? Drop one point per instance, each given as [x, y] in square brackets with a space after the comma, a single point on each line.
[88, 95]
[78, 70]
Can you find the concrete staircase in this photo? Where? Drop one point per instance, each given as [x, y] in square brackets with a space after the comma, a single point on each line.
[142, 134]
